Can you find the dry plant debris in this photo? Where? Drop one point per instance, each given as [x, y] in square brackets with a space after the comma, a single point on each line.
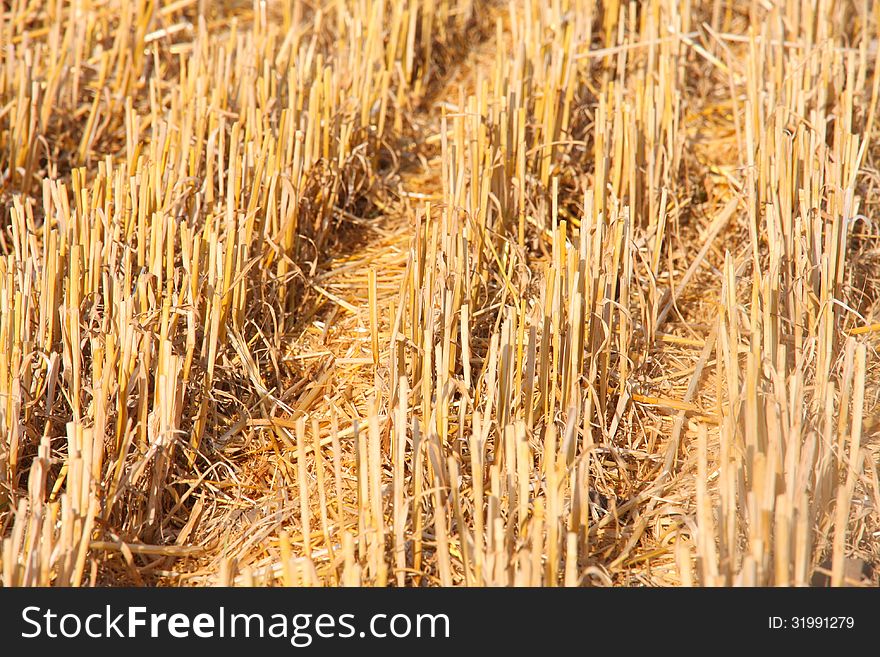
[439, 292]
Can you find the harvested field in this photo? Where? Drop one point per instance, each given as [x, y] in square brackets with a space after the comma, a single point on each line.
[439, 293]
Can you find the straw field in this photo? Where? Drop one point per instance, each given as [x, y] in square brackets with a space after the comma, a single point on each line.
[439, 292]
